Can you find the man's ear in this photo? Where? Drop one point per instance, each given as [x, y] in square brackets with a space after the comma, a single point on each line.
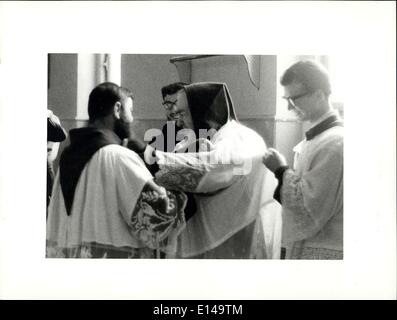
[117, 109]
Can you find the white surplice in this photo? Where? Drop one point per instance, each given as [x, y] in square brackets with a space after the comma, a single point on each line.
[312, 197]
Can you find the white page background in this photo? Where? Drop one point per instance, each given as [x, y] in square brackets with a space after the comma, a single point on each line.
[364, 32]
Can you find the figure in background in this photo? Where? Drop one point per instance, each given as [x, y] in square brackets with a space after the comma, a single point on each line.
[55, 135]
[105, 202]
[174, 118]
[226, 177]
[167, 140]
[311, 193]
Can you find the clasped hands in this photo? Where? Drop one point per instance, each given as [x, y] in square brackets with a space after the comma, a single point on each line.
[273, 159]
[164, 200]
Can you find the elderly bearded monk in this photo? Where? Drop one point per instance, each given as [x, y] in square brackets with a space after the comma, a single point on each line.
[105, 203]
[311, 193]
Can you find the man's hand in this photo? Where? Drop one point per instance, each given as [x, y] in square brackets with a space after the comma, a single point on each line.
[273, 159]
[164, 201]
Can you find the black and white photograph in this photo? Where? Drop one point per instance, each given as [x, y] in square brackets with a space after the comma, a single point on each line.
[197, 150]
[205, 175]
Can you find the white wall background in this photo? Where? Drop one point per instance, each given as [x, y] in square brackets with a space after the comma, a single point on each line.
[362, 32]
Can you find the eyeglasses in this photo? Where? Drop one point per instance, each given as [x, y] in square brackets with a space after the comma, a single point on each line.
[168, 105]
[291, 100]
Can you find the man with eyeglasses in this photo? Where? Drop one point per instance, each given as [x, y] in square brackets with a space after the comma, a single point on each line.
[167, 140]
[311, 192]
[171, 128]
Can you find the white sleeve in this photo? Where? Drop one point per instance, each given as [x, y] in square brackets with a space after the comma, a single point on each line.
[131, 175]
[180, 171]
[205, 172]
[311, 198]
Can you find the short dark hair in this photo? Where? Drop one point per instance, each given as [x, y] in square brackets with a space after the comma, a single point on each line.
[312, 75]
[103, 97]
[172, 88]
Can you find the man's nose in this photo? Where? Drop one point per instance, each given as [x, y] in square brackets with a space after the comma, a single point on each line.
[173, 109]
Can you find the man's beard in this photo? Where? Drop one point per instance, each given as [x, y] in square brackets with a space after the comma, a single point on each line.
[122, 129]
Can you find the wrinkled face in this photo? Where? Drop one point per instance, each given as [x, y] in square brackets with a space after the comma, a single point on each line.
[183, 111]
[303, 103]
